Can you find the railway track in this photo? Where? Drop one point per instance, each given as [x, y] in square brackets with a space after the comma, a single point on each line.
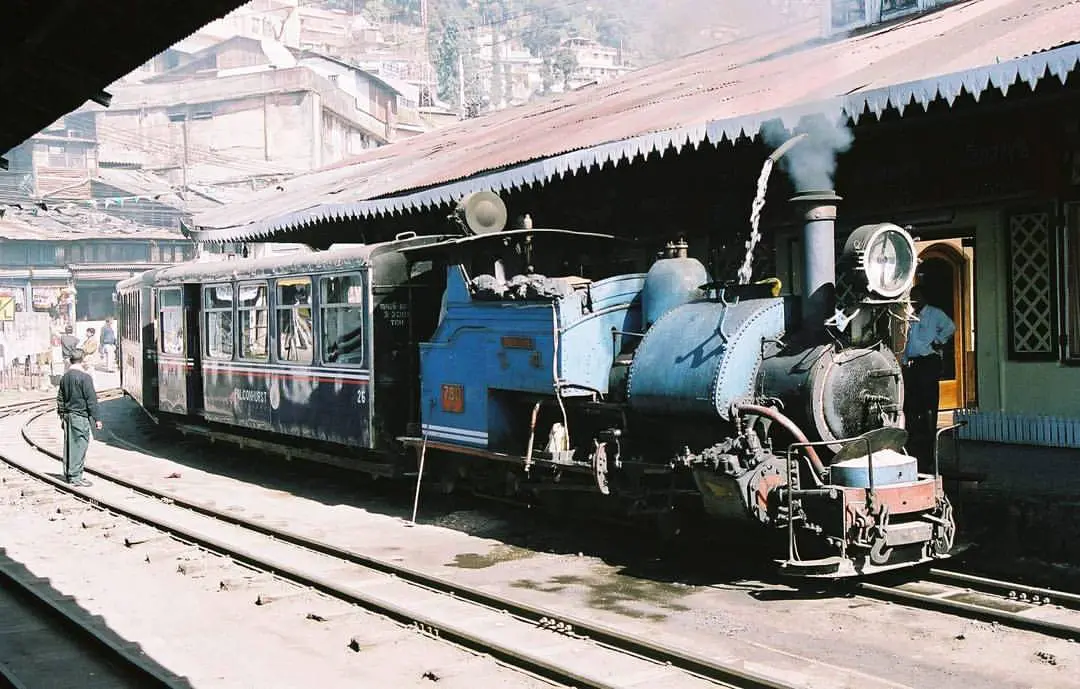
[50, 641]
[1049, 612]
[566, 650]
[535, 640]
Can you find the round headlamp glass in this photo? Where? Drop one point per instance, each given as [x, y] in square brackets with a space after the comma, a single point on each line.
[889, 262]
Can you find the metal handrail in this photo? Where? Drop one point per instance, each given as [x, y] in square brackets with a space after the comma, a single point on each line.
[937, 443]
[843, 495]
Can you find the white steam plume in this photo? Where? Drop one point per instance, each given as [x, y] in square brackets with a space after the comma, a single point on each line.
[811, 165]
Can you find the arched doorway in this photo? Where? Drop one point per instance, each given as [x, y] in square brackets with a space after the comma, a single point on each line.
[944, 276]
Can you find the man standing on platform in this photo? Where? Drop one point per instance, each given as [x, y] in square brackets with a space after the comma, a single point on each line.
[68, 344]
[77, 405]
[108, 344]
[923, 365]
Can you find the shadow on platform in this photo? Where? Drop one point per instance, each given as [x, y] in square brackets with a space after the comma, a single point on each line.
[23, 656]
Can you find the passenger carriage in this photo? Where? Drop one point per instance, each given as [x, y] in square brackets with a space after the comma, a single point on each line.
[316, 346]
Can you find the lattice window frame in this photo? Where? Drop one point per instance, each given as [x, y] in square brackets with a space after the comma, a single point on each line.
[1031, 298]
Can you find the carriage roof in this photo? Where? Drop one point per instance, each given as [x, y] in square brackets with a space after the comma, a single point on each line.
[338, 258]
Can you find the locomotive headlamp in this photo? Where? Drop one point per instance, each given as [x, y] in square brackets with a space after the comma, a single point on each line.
[881, 259]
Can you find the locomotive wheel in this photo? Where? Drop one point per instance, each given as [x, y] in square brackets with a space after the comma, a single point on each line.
[945, 537]
[880, 553]
[447, 482]
[600, 468]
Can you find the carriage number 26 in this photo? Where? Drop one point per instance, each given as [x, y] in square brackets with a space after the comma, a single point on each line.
[361, 395]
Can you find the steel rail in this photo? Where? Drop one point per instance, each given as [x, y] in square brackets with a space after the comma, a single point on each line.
[941, 602]
[128, 661]
[724, 674]
[13, 408]
[1036, 594]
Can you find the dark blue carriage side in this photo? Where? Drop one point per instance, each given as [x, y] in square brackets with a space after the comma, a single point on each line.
[287, 345]
[285, 373]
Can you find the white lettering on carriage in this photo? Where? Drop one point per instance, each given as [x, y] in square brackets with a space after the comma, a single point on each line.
[395, 313]
[258, 396]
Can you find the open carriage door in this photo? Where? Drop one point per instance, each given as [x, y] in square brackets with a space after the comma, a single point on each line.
[944, 271]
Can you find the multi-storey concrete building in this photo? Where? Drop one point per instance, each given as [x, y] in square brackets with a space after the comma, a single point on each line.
[245, 108]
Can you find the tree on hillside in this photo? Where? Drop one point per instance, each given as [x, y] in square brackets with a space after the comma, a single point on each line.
[564, 63]
[381, 11]
[445, 43]
[548, 26]
[612, 30]
[453, 54]
[546, 29]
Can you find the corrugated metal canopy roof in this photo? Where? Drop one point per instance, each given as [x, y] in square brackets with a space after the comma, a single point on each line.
[58, 55]
[75, 224]
[722, 93]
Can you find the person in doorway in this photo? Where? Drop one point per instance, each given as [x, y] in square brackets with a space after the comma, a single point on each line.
[108, 344]
[77, 407]
[923, 364]
[68, 344]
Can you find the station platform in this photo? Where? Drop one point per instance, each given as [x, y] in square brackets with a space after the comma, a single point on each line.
[1017, 502]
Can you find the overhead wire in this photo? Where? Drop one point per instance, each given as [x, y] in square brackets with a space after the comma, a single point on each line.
[141, 140]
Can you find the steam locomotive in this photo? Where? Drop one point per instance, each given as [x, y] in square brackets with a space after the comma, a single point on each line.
[531, 362]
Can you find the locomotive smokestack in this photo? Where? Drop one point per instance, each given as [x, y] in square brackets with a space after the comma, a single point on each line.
[818, 212]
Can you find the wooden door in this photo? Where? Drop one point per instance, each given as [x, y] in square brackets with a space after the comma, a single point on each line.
[943, 277]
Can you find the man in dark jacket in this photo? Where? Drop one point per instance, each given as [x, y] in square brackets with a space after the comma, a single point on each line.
[68, 344]
[76, 405]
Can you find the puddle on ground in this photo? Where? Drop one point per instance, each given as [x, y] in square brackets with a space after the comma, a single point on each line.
[500, 553]
[618, 594]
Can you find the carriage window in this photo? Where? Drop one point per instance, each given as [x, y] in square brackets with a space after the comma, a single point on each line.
[253, 313]
[343, 319]
[135, 330]
[128, 317]
[131, 316]
[139, 317]
[296, 342]
[171, 321]
[217, 304]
